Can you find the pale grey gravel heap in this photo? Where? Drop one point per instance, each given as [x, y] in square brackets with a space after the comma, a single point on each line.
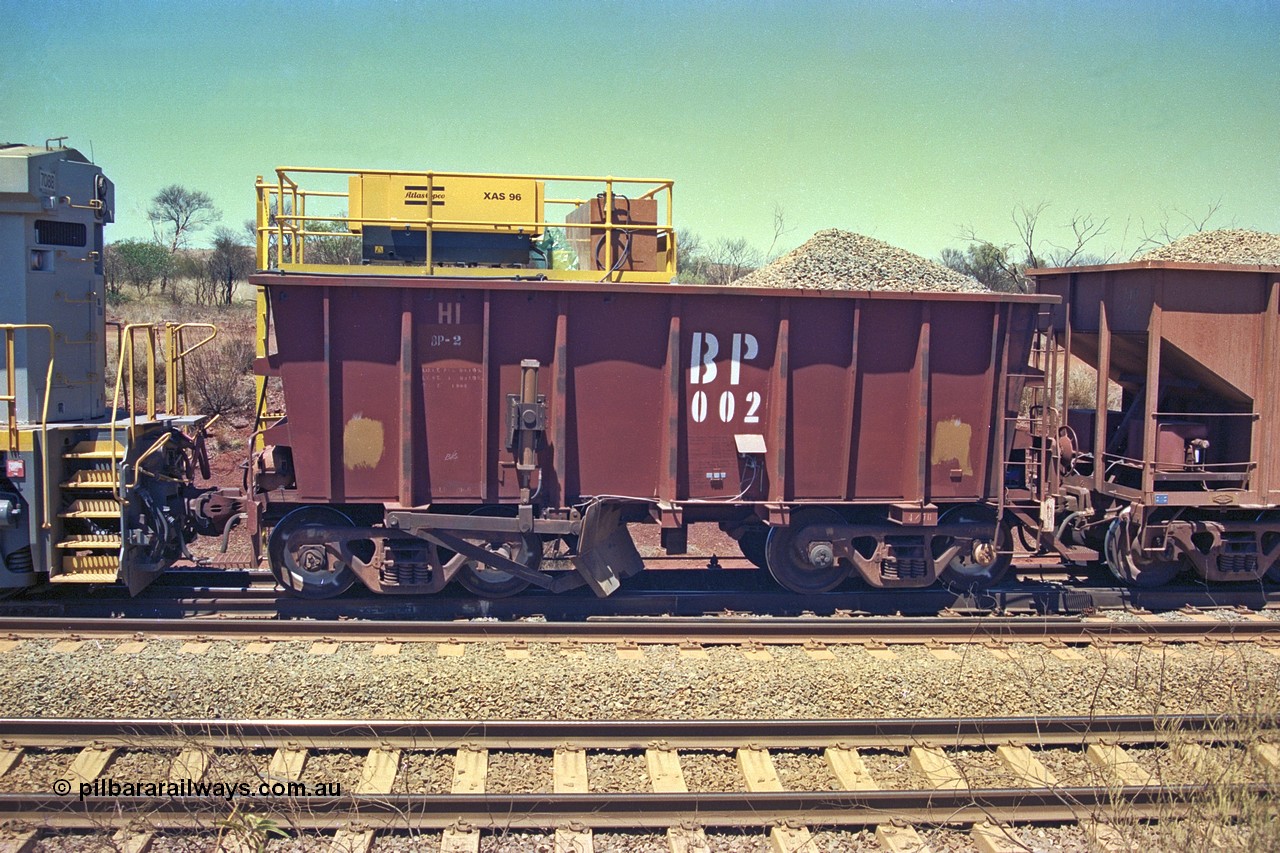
[1224, 246]
[842, 260]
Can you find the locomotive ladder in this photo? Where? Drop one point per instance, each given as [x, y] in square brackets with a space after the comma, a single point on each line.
[92, 538]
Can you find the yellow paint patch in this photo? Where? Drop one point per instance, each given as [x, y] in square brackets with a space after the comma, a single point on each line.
[363, 441]
[951, 440]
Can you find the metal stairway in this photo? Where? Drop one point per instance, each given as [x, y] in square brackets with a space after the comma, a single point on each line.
[90, 537]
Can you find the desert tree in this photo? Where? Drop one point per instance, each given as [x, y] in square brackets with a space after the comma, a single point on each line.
[177, 212]
[1175, 224]
[137, 263]
[230, 261]
[1003, 266]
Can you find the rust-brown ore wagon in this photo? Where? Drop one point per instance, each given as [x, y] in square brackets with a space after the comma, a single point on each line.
[448, 425]
[1187, 470]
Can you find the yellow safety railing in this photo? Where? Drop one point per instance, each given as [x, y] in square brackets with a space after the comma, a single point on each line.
[283, 223]
[10, 399]
[175, 368]
[175, 352]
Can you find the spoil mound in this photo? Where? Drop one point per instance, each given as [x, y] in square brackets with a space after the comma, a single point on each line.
[841, 260]
[1225, 246]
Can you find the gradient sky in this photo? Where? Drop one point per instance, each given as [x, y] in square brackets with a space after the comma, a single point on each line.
[904, 120]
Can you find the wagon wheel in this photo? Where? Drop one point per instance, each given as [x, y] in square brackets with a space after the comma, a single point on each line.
[1119, 557]
[982, 562]
[795, 570]
[488, 582]
[309, 571]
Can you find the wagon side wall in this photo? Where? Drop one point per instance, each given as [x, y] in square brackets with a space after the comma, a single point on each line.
[397, 392]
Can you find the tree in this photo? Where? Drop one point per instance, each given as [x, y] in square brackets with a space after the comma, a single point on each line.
[691, 260]
[177, 212]
[230, 261]
[138, 263]
[342, 248]
[1003, 266]
[731, 259]
[1165, 231]
[988, 263]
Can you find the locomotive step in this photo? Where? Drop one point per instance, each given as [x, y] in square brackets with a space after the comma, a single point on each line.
[88, 568]
[92, 478]
[94, 508]
[95, 541]
[85, 577]
[95, 450]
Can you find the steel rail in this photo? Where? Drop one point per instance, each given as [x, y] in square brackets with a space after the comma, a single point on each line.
[620, 810]
[709, 630]
[676, 592]
[627, 734]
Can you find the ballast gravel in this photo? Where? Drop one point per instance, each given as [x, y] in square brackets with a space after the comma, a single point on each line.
[712, 771]
[520, 773]
[623, 772]
[483, 683]
[424, 773]
[842, 260]
[1224, 246]
[804, 771]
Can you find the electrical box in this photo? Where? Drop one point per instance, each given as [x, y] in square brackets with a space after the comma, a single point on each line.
[632, 250]
[1174, 448]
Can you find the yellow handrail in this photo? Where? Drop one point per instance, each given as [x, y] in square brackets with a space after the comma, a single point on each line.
[175, 364]
[175, 354]
[128, 345]
[10, 398]
[287, 225]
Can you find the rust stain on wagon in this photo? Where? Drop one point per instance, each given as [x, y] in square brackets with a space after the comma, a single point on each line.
[363, 442]
[951, 439]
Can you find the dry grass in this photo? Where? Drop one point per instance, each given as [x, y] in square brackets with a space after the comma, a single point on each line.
[219, 377]
[219, 374]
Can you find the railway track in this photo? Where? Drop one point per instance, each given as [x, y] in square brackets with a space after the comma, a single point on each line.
[1134, 768]
[243, 591]
[810, 632]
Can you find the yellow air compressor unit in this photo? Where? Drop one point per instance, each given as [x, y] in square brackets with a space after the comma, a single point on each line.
[466, 220]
